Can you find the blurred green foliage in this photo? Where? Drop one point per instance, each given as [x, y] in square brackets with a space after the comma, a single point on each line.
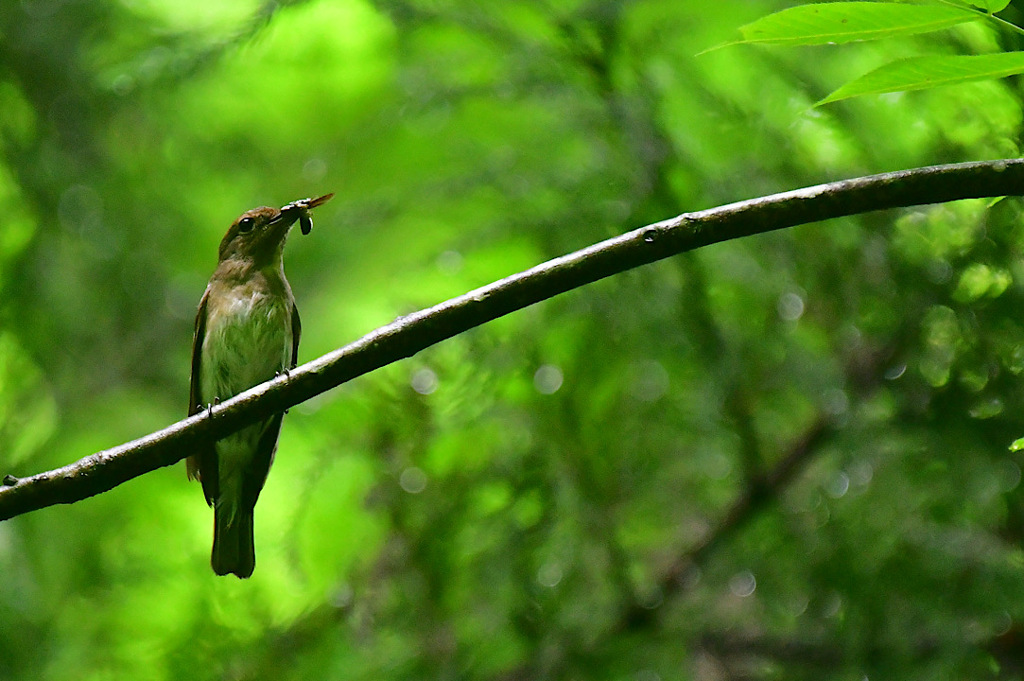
[784, 457]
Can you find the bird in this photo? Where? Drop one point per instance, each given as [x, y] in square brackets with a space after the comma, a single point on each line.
[246, 332]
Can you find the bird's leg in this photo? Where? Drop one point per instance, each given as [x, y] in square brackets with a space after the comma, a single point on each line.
[287, 373]
[210, 406]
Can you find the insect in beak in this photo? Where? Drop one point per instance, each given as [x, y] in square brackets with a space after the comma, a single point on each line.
[299, 210]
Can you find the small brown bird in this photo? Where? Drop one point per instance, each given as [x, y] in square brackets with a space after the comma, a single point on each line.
[247, 332]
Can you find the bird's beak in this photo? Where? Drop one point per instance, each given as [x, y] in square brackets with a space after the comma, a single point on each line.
[283, 217]
[287, 217]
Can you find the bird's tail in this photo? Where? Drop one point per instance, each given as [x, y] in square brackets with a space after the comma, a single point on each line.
[233, 548]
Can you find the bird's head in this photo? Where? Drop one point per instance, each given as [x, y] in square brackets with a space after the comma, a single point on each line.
[259, 234]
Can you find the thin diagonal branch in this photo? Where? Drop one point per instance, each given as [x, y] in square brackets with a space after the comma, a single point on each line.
[408, 335]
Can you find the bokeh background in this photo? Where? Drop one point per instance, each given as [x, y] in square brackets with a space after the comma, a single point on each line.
[781, 457]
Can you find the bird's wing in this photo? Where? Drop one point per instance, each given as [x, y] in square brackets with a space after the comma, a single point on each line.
[202, 465]
[195, 397]
[296, 332]
[257, 469]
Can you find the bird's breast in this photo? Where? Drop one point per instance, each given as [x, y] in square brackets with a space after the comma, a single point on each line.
[248, 340]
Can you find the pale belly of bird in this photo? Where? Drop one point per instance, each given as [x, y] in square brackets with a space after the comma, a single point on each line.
[246, 343]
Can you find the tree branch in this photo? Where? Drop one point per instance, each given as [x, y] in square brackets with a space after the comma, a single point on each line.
[408, 335]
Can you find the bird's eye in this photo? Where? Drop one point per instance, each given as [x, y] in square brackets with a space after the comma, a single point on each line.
[246, 225]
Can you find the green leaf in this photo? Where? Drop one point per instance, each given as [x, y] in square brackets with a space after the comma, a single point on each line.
[991, 6]
[1017, 445]
[844, 22]
[920, 73]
